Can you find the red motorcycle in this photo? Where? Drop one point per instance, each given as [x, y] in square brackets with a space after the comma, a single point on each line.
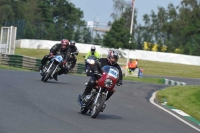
[94, 102]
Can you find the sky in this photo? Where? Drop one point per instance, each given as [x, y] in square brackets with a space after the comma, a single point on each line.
[100, 10]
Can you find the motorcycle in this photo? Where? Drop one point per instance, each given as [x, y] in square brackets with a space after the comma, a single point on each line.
[50, 68]
[70, 63]
[87, 69]
[94, 102]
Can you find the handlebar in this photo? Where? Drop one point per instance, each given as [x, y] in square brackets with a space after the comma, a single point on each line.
[74, 53]
[98, 74]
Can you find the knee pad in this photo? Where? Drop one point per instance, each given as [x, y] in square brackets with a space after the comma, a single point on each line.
[92, 81]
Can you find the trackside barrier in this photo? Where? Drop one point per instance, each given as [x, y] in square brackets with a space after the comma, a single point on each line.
[31, 63]
[20, 61]
[172, 82]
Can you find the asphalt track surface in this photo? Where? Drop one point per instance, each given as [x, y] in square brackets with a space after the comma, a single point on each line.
[28, 105]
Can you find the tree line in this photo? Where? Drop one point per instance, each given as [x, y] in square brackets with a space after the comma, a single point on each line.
[176, 28]
[45, 19]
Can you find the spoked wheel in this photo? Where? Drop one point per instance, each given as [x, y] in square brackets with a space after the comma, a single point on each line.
[48, 75]
[97, 107]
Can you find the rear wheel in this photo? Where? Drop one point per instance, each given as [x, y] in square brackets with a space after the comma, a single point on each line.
[97, 107]
[48, 75]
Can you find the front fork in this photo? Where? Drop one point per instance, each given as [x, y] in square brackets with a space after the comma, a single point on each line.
[98, 94]
[49, 67]
[54, 70]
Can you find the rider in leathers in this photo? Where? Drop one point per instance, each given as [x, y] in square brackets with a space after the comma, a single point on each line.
[110, 60]
[59, 48]
[72, 50]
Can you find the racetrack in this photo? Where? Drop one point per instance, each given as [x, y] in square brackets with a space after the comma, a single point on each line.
[28, 105]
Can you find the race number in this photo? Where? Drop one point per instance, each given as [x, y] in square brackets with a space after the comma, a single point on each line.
[59, 58]
[113, 73]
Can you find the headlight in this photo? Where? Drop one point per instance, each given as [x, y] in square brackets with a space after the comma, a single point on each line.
[108, 82]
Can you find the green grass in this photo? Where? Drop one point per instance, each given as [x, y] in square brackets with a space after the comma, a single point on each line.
[147, 80]
[185, 98]
[150, 67]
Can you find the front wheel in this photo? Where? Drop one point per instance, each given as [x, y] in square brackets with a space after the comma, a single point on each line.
[88, 70]
[44, 75]
[97, 107]
[48, 75]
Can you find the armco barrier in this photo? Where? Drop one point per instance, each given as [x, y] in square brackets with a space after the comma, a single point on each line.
[172, 82]
[20, 61]
[31, 63]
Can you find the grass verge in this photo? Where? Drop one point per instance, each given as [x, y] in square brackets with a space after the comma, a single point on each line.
[147, 80]
[185, 98]
[150, 67]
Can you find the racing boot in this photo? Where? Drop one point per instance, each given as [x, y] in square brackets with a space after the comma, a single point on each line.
[40, 67]
[55, 76]
[80, 100]
[104, 106]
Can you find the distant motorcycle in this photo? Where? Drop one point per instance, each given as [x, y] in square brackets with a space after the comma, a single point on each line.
[70, 62]
[94, 102]
[88, 69]
[50, 68]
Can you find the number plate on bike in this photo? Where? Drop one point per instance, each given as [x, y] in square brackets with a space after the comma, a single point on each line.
[113, 73]
[59, 58]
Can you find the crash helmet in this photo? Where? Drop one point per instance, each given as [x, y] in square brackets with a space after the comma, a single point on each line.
[113, 57]
[72, 43]
[64, 43]
[93, 49]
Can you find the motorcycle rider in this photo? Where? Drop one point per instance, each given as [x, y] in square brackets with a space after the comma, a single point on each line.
[91, 52]
[72, 50]
[111, 60]
[62, 49]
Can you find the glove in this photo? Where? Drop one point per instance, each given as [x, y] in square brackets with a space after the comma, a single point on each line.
[119, 83]
[51, 54]
[64, 61]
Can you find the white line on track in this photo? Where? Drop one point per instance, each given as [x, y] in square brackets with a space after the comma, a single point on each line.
[152, 101]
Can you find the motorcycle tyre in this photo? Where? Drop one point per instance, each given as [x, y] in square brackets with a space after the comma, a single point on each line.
[48, 75]
[96, 110]
[43, 77]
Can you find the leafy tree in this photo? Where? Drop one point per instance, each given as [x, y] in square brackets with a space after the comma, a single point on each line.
[44, 19]
[6, 11]
[98, 39]
[87, 35]
[118, 36]
[77, 35]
